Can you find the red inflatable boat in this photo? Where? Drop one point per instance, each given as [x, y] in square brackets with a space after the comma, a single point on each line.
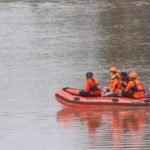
[70, 98]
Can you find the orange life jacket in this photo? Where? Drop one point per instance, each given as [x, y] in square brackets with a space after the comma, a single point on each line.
[136, 88]
[92, 87]
[114, 85]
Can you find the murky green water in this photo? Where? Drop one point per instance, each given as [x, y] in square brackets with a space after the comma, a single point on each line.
[46, 45]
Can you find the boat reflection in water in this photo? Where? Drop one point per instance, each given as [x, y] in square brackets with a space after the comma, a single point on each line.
[117, 128]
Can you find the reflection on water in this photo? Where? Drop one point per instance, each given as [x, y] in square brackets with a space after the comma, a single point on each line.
[118, 129]
[129, 31]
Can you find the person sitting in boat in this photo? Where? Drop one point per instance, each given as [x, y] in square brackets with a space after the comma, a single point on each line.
[124, 80]
[92, 87]
[135, 87]
[113, 88]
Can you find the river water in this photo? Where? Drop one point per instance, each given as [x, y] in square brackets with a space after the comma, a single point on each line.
[46, 45]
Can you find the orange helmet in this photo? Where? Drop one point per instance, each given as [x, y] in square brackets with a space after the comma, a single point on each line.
[133, 75]
[113, 69]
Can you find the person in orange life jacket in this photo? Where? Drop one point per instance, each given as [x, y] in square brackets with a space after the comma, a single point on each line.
[135, 87]
[92, 87]
[114, 85]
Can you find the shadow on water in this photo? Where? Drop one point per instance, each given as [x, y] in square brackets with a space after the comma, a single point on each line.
[125, 31]
[103, 126]
[126, 35]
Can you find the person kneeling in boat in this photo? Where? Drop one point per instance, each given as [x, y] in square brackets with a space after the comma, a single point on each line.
[135, 88]
[113, 88]
[92, 87]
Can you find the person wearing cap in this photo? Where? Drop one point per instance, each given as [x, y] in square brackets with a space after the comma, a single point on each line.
[92, 87]
[113, 88]
[135, 87]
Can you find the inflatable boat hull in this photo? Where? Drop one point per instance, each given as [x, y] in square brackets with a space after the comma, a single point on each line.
[70, 97]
